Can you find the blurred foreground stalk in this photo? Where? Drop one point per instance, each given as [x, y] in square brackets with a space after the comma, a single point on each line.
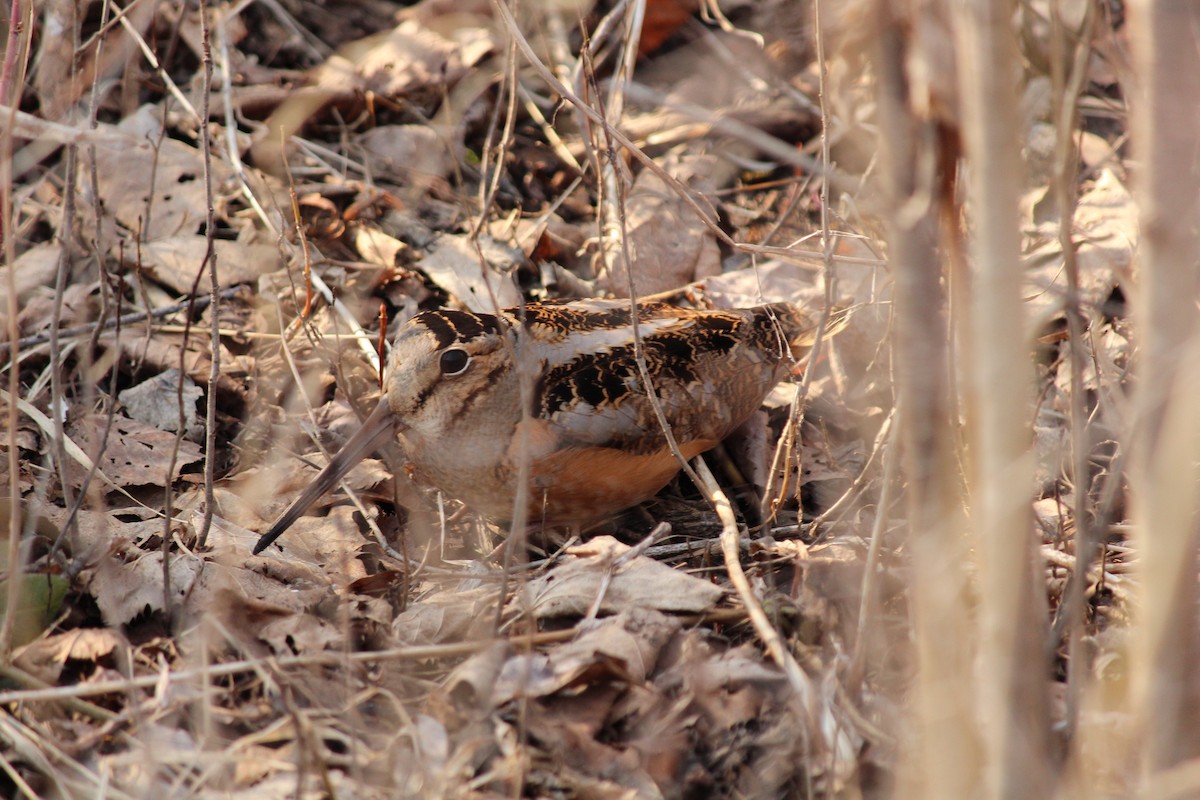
[1165, 448]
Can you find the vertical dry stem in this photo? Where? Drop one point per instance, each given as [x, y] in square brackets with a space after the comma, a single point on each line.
[13, 72]
[1166, 435]
[1010, 666]
[944, 759]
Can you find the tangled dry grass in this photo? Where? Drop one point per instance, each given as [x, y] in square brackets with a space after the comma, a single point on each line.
[921, 573]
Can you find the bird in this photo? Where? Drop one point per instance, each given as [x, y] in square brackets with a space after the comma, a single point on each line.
[557, 384]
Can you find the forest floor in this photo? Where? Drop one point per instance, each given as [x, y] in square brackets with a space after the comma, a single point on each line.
[442, 154]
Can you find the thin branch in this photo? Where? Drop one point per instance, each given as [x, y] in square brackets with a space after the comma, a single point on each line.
[210, 258]
[1068, 87]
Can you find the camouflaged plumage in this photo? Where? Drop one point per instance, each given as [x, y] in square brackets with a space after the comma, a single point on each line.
[470, 395]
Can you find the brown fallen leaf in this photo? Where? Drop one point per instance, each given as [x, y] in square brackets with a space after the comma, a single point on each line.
[450, 616]
[155, 401]
[45, 658]
[623, 648]
[571, 588]
[135, 454]
[154, 192]
[480, 279]
[123, 591]
[33, 268]
[667, 242]
[175, 260]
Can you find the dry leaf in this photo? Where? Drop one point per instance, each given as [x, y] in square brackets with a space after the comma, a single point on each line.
[448, 616]
[479, 279]
[135, 453]
[407, 154]
[45, 658]
[411, 56]
[299, 634]
[158, 192]
[622, 648]
[34, 268]
[156, 402]
[175, 260]
[668, 244]
[571, 588]
[332, 541]
[124, 591]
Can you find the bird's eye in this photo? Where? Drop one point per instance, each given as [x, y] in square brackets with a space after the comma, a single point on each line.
[455, 362]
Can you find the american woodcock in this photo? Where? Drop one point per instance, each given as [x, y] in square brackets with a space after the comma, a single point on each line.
[594, 445]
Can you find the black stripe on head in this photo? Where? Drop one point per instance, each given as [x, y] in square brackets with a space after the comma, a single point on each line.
[476, 394]
[449, 326]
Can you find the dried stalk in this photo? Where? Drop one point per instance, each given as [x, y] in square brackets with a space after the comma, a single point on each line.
[946, 757]
[1012, 671]
[1166, 432]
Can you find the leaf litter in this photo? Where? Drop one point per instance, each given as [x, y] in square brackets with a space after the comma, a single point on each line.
[384, 650]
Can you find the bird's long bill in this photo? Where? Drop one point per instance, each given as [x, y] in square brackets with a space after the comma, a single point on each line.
[375, 432]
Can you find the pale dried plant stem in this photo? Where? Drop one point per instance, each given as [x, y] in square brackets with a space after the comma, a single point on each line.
[274, 223]
[549, 131]
[1068, 85]
[16, 53]
[822, 723]
[518, 528]
[730, 126]
[702, 209]
[25, 125]
[885, 439]
[233, 155]
[148, 53]
[788, 444]
[580, 75]
[68, 777]
[75, 705]
[615, 201]
[868, 604]
[207, 260]
[46, 425]
[22, 786]
[260, 665]
[127, 320]
[106, 302]
[943, 761]
[639, 352]
[781, 464]
[634, 17]
[323, 659]
[613, 230]
[12, 72]
[616, 229]
[1166, 431]
[796, 411]
[494, 153]
[58, 402]
[1011, 673]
